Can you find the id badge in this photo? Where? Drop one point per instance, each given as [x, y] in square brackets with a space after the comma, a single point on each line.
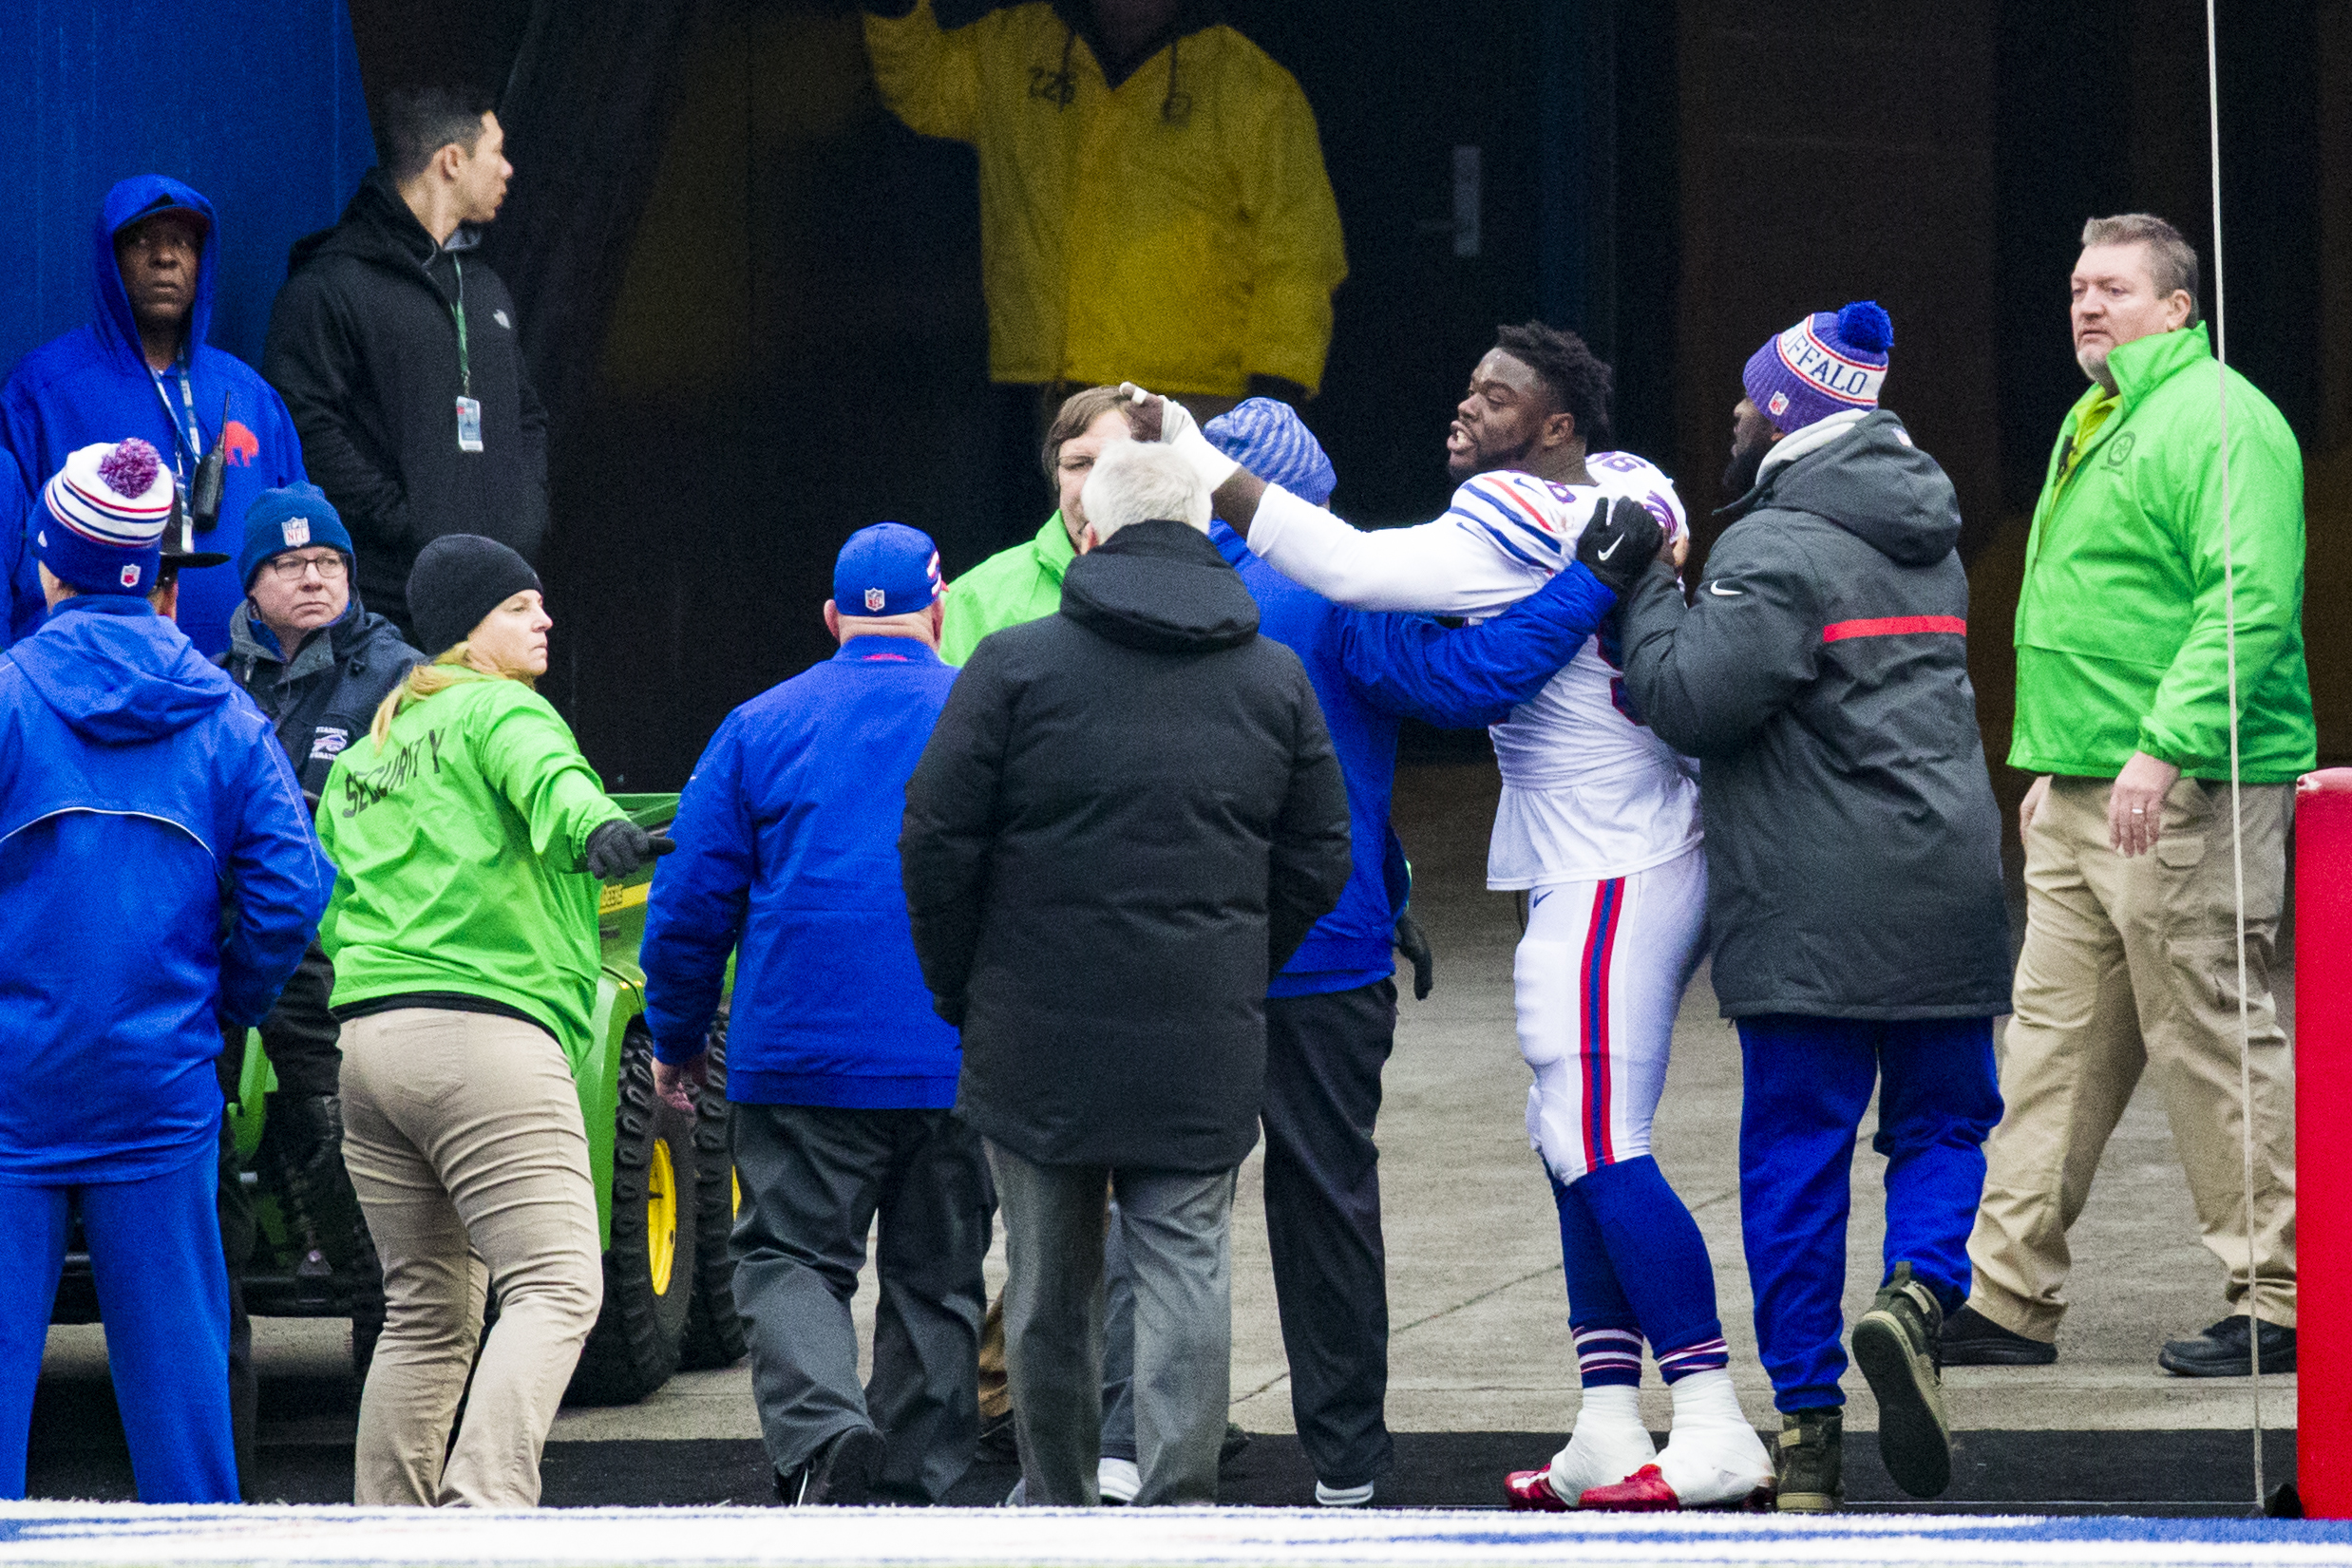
[469, 425]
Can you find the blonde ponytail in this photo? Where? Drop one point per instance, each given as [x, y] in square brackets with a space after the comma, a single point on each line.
[423, 681]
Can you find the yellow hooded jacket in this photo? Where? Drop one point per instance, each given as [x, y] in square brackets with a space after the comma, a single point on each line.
[1176, 230]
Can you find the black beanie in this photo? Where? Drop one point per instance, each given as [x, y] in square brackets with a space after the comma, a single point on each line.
[457, 580]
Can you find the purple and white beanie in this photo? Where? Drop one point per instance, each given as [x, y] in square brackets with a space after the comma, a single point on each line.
[1824, 365]
[100, 525]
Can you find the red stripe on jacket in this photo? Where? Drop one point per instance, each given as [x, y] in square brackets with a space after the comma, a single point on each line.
[1893, 626]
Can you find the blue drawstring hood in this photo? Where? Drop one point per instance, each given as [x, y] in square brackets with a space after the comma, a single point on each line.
[93, 386]
[118, 673]
[138, 795]
[143, 196]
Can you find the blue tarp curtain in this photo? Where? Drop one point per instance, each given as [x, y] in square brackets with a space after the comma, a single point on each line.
[255, 103]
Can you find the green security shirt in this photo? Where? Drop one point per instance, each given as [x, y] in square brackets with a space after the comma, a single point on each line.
[1011, 588]
[457, 848]
[2120, 638]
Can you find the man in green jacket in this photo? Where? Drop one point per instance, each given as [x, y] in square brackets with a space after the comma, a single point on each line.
[2123, 710]
[1013, 587]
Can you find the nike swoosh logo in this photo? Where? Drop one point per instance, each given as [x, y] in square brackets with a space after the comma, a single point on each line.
[1536, 901]
[1722, 592]
[1604, 554]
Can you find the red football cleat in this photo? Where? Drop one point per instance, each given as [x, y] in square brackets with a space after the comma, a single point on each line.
[1530, 1491]
[1643, 1492]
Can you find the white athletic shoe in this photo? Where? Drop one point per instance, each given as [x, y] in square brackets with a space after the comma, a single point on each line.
[1609, 1444]
[1117, 1480]
[1712, 1457]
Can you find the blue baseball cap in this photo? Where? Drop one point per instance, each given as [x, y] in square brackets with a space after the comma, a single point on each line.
[1266, 436]
[886, 570]
[289, 518]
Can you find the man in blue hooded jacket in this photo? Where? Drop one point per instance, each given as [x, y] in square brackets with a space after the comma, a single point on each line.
[139, 795]
[141, 368]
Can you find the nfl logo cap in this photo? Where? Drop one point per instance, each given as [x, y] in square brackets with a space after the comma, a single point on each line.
[886, 570]
[292, 517]
[100, 528]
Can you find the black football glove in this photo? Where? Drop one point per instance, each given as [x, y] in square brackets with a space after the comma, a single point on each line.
[621, 848]
[1415, 947]
[1620, 542]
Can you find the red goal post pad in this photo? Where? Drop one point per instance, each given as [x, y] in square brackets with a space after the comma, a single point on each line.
[2323, 1140]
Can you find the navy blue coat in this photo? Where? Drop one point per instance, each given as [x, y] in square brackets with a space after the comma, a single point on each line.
[93, 385]
[139, 794]
[787, 856]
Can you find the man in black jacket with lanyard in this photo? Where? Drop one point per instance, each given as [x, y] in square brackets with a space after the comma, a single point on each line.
[398, 355]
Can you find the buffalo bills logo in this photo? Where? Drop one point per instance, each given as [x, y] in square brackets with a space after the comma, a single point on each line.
[239, 445]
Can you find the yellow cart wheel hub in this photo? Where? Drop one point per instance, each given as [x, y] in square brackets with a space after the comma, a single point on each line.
[661, 1217]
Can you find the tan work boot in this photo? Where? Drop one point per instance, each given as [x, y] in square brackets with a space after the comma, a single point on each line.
[1895, 1347]
[1808, 1462]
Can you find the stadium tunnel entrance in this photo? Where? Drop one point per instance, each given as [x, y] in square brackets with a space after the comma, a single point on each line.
[752, 296]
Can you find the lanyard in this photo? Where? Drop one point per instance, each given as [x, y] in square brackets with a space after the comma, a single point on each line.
[464, 366]
[191, 438]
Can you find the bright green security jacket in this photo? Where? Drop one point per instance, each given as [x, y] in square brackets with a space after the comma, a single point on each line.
[2119, 632]
[457, 848]
[1011, 588]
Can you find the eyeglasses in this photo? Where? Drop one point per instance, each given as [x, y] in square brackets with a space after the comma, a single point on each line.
[331, 567]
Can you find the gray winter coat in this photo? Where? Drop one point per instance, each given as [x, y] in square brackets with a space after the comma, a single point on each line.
[327, 698]
[1821, 676]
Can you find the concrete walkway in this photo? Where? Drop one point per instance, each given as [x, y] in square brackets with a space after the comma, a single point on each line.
[1480, 1340]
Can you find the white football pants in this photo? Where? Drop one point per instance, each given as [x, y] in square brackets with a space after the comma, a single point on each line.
[1600, 976]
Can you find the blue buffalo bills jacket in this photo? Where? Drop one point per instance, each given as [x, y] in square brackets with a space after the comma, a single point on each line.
[787, 855]
[139, 796]
[93, 385]
[1368, 671]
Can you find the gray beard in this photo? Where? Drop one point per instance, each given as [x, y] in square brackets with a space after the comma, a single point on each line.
[2094, 366]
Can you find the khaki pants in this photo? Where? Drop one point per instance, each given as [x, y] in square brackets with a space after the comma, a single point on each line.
[2132, 966]
[463, 1138]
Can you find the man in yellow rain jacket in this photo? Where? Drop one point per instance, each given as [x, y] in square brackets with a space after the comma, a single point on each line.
[1153, 206]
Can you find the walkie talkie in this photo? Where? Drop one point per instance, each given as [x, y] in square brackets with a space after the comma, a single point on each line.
[204, 495]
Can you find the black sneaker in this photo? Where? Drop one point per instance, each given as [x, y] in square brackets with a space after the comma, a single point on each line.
[1972, 1339]
[998, 1440]
[2221, 1350]
[1895, 1347]
[840, 1472]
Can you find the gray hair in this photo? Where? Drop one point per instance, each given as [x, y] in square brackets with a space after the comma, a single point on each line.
[1143, 481]
[2171, 260]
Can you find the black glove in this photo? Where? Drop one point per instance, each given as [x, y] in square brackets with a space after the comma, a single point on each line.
[1620, 542]
[621, 848]
[1415, 947]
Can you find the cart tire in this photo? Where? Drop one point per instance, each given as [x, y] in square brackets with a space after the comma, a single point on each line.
[648, 1269]
[714, 1332]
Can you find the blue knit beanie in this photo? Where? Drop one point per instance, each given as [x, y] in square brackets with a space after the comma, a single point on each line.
[1824, 365]
[1265, 436]
[291, 518]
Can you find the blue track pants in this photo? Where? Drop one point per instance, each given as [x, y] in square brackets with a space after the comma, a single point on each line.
[154, 1250]
[1807, 1081]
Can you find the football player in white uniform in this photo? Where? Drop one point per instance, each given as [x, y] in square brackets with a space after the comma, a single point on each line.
[1599, 823]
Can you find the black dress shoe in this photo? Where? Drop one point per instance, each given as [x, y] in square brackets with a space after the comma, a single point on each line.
[2221, 1351]
[1972, 1339]
[841, 1472]
[997, 1442]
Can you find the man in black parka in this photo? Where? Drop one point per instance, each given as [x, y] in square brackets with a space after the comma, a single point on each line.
[395, 348]
[1858, 931]
[1128, 817]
